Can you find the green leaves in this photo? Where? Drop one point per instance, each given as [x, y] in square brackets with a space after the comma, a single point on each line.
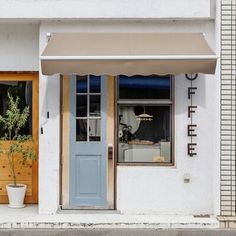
[17, 148]
[14, 119]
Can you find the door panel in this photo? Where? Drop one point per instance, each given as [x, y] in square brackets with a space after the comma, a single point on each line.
[88, 161]
[15, 82]
[92, 184]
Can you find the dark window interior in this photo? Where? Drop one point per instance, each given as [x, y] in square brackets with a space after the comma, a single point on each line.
[144, 87]
[144, 129]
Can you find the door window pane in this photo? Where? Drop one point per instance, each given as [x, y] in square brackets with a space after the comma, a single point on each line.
[81, 130]
[144, 133]
[81, 105]
[94, 129]
[22, 90]
[95, 84]
[82, 84]
[88, 108]
[94, 109]
[144, 87]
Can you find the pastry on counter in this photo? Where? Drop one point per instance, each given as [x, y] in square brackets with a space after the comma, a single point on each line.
[159, 159]
[140, 142]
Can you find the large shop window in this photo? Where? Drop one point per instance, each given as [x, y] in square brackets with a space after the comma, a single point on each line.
[22, 90]
[145, 119]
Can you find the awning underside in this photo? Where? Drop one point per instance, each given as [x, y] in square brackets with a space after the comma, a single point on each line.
[128, 54]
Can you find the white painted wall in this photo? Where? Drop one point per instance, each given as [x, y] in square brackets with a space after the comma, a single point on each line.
[216, 114]
[106, 9]
[49, 141]
[145, 189]
[49, 144]
[19, 47]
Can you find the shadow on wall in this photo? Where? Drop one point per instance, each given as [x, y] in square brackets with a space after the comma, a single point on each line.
[51, 98]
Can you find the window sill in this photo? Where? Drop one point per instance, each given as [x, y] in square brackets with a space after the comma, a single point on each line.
[146, 164]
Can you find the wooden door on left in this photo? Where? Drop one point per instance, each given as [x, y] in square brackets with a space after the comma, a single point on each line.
[25, 86]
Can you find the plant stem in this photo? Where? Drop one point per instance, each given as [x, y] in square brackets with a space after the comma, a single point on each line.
[13, 172]
[11, 165]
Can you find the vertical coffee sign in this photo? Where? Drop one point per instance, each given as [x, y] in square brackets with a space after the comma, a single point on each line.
[191, 127]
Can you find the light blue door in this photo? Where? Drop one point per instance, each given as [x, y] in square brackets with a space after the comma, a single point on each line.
[88, 171]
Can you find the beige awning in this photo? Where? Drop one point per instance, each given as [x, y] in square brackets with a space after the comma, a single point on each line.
[128, 53]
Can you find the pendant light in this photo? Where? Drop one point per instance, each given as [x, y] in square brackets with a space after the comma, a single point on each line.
[144, 116]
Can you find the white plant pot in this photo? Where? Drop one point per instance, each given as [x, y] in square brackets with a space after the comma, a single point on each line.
[16, 195]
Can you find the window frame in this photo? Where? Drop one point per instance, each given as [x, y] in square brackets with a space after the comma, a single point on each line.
[32, 76]
[158, 102]
[88, 117]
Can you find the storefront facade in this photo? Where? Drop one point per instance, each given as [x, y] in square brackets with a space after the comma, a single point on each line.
[142, 135]
[132, 146]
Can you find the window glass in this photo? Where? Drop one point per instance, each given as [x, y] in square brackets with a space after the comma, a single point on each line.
[144, 87]
[23, 90]
[81, 105]
[94, 129]
[94, 109]
[88, 108]
[82, 84]
[81, 130]
[95, 84]
[144, 133]
[144, 129]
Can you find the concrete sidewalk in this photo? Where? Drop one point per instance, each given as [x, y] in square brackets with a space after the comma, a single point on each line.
[117, 232]
[28, 218]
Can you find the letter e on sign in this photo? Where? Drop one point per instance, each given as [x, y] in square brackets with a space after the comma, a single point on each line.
[191, 130]
[191, 149]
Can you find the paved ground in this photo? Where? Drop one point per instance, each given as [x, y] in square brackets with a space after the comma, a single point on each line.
[117, 232]
[28, 218]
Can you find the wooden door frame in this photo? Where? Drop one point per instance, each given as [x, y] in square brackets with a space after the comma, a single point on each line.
[65, 126]
[34, 77]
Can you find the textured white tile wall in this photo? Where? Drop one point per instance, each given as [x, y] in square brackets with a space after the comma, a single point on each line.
[228, 107]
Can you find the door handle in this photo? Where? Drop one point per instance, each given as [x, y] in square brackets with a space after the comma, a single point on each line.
[110, 152]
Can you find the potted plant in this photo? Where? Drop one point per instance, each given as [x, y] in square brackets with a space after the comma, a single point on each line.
[16, 147]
